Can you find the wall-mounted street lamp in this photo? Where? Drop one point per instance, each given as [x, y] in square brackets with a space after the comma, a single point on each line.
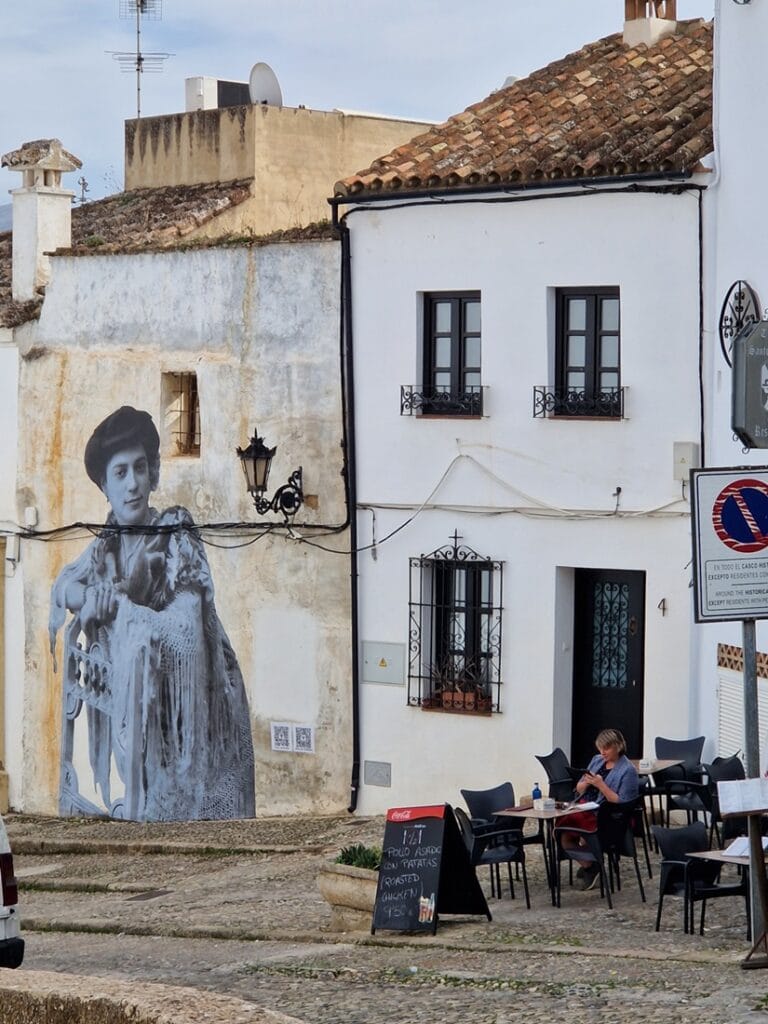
[256, 460]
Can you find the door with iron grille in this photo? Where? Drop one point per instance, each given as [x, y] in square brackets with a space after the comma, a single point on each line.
[608, 655]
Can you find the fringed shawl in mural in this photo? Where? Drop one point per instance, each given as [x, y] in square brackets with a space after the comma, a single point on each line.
[161, 685]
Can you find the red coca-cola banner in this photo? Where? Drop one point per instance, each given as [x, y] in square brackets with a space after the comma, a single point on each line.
[413, 813]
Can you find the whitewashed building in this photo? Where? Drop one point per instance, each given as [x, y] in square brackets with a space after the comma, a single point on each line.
[524, 309]
[736, 292]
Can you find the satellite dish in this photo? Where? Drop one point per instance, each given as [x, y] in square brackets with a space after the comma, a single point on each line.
[264, 86]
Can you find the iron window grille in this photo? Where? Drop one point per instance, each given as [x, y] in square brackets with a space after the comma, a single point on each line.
[587, 356]
[452, 356]
[414, 399]
[608, 404]
[455, 607]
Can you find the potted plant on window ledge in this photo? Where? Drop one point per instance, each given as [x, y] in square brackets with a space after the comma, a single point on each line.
[461, 689]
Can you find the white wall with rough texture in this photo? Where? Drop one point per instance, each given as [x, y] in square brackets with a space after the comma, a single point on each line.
[537, 494]
[734, 246]
[259, 327]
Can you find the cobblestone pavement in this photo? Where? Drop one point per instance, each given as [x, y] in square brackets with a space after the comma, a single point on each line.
[227, 908]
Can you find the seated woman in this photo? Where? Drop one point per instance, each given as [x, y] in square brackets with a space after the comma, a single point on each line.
[610, 776]
[146, 652]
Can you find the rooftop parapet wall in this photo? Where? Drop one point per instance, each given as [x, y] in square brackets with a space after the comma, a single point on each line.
[293, 155]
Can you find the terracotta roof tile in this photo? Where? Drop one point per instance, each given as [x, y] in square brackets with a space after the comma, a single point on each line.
[605, 109]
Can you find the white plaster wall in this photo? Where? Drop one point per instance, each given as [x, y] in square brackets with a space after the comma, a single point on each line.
[736, 227]
[9, 377]
[42, 222]
[12, 579]
[512, 464]
[259, 326]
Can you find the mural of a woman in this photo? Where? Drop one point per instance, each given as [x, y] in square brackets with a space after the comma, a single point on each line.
[146, 654]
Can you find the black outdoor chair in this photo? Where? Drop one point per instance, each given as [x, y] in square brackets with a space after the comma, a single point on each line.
[562, 778]
[483, 805]
[493, 848]
[688, 752]
[613, 840]
[694, 879]
[641, 829]
[694, 798]
[724, 769]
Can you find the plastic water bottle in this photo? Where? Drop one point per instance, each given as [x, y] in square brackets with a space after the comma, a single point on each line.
[536, 793]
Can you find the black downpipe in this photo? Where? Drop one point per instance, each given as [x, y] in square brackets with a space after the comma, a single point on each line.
[348, 398]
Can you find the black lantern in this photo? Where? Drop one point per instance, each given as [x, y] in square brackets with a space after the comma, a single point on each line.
[256, 460]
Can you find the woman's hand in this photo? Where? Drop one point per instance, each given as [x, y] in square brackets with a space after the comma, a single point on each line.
[602, 787]
[99, 605]
[583, 784]
[596, 780]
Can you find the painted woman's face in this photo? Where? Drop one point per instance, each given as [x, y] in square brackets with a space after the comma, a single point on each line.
[126, 485]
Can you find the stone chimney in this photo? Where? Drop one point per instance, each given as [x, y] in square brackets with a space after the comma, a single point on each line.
[42, 212]
[648, 21]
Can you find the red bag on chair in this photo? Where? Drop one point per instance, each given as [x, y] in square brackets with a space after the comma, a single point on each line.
[586, 821]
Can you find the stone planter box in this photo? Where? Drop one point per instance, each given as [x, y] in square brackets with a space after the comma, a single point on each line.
[351, 893]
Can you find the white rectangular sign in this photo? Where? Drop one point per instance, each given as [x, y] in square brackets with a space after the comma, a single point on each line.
[744, 796]
[730, 543]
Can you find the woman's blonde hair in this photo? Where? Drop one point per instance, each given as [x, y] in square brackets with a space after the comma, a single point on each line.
[611, 738]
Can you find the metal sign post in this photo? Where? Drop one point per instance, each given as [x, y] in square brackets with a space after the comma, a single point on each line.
[730, 559]
[757, 883]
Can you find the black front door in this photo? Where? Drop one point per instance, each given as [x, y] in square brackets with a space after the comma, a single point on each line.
[608, 647]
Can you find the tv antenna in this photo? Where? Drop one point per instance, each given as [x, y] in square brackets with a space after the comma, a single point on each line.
[136, 60]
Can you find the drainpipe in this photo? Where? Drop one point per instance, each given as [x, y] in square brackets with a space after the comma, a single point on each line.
[348, 399]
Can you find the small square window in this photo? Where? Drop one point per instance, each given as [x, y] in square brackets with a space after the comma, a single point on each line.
[181, 407]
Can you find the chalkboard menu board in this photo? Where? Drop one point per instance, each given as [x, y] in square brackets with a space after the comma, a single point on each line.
[425, 871]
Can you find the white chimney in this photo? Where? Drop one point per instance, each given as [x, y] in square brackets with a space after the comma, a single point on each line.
[648, 21]
[42, 212]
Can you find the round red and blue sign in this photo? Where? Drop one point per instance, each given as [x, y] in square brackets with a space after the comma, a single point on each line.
[740, 515]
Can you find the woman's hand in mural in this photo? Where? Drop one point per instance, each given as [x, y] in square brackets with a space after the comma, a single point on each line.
[99, 605]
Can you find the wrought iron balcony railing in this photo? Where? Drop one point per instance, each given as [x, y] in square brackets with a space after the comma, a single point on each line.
[608, 403]
[433, 402]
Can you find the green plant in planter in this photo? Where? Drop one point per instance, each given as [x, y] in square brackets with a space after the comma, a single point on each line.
[359, 856]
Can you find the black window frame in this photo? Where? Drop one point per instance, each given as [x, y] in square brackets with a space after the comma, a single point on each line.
[593, 399]
[460, 399]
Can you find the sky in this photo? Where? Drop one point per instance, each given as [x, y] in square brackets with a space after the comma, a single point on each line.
[424, 59]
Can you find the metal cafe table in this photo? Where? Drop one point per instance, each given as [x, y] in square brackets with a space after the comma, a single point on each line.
[548, 818]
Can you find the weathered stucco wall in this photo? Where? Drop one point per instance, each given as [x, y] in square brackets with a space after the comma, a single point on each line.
[259, 327]
[294, 155]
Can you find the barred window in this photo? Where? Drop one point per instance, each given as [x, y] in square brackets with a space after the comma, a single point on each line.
[455, 630]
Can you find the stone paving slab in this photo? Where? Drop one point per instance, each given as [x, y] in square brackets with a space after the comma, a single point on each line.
[29, 997]
[253, 924]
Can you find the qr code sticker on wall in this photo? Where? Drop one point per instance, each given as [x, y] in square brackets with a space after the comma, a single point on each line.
[282, 736]
[304, 739]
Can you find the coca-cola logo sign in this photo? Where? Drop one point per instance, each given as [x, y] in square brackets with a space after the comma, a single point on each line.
[412, 813]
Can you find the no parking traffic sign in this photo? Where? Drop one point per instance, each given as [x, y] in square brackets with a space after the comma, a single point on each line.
[730, 543]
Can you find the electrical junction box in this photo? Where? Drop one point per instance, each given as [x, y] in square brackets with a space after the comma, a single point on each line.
[384, 663]
[685, 457]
